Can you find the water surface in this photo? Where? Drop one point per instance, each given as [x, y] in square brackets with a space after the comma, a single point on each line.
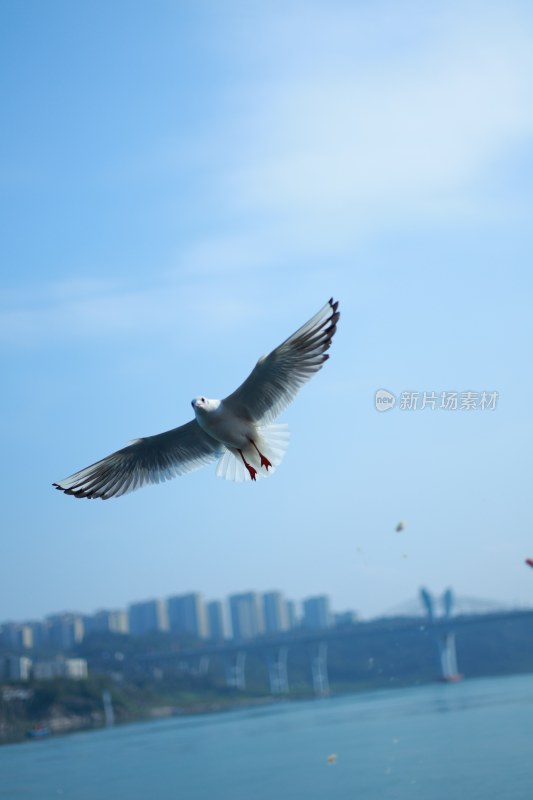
[438, 742]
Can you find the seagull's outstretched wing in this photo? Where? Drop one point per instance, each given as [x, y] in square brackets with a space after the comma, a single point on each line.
[150, 460]
[277, 377]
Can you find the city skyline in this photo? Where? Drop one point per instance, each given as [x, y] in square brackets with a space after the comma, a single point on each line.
[239, 616]
[166, 614]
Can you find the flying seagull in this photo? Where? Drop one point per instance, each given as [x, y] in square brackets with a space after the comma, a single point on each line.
[239, 431]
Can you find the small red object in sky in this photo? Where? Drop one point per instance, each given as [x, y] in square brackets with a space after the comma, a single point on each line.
[529, 561]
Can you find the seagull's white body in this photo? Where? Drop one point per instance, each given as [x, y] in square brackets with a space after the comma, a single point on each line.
[238, 430]
[245, 442]
[220, 423]
[237, 433]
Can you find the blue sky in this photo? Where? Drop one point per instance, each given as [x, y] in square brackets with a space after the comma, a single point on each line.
[182, 185]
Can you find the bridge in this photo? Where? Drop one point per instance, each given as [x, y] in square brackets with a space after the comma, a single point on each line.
[462, 605]
[434, 618]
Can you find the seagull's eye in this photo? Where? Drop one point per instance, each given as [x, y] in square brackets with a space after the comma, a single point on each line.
[202, 399]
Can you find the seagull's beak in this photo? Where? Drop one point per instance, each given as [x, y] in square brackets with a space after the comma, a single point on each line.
[193, 403]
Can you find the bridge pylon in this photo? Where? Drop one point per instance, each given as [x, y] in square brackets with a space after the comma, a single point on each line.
[444, 637]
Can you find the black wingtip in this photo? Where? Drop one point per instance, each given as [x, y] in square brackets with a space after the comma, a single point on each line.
[333, 319]
[74, 492]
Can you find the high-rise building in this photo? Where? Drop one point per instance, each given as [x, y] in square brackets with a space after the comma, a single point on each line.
[275, 612]
[345, 618]
[17, 636]
[147, 616]
[39, 634]
[65, 630]
[60, 667]
[187, 614]
[291, 614]
[218, 628]
[317, 613]
[15, 668]
[108, 621]
[246, 611]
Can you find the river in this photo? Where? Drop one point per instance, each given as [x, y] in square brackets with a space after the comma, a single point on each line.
[472, 740]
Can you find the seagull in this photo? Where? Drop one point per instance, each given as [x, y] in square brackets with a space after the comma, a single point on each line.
[239, 430]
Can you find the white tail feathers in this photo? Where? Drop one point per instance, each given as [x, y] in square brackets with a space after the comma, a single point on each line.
[272, 442]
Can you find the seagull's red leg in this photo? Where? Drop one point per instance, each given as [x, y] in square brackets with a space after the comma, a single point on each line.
[264, 460]
[251, 470]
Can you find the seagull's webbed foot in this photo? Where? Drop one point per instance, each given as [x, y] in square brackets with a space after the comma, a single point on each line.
[264, 460]
[251, 470]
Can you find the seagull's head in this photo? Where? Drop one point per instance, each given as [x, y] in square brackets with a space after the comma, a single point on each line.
[204, 405]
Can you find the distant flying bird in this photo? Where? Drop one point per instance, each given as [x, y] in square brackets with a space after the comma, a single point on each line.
[238, 430]
[529, 562]
[400, 526]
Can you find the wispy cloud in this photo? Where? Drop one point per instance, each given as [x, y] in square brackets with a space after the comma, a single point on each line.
[67, 311]
[341, 121]
[343, 146]
[221, 256]
[324, 141]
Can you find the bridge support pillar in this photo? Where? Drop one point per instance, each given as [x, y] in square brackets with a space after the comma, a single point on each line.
[235, 677]
[277, 671]
[194, 665]
[447, 656]
[203, 666]
[319, 668]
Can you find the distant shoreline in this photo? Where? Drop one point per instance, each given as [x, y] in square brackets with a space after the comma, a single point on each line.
[63, 724]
